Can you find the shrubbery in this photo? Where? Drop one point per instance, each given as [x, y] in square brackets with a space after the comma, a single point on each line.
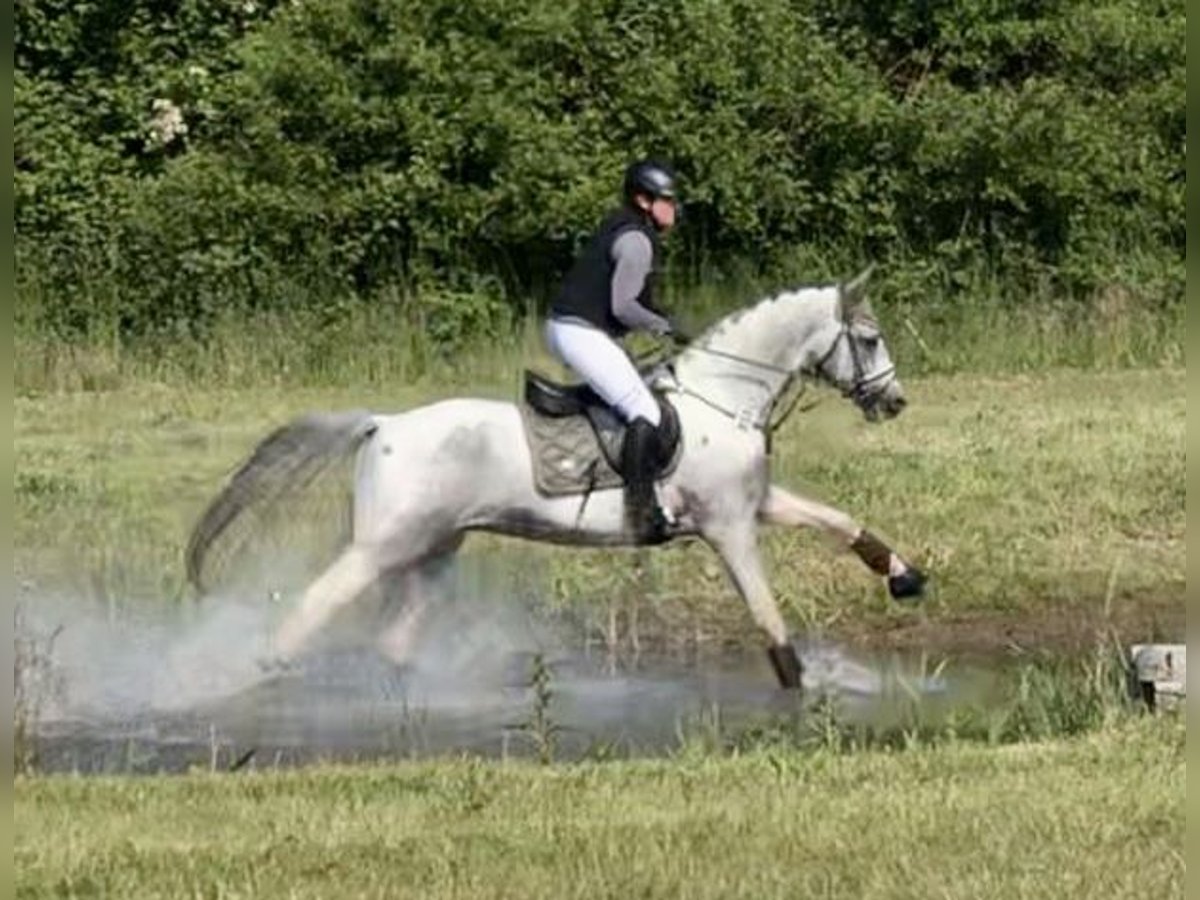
[384, 150]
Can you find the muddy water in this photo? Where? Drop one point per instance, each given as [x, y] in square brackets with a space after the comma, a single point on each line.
[171, 694]
[354, 706]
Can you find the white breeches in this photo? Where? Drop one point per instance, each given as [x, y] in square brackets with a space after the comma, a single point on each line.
[601, 362]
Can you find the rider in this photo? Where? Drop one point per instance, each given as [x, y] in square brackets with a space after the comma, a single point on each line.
[607, 293]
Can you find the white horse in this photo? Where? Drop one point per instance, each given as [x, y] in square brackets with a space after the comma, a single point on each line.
[426, 477]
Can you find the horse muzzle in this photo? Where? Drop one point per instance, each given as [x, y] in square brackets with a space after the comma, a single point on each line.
[883, 405]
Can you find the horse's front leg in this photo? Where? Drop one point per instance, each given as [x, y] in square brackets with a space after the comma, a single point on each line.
[738, 549]
[782, 507]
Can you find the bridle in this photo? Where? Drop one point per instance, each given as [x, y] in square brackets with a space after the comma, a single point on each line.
[861, 389]
[864, 387]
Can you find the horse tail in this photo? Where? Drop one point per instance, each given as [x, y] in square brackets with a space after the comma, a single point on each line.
[282, 465]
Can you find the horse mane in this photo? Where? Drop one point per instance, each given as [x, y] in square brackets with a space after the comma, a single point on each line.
[739, 316]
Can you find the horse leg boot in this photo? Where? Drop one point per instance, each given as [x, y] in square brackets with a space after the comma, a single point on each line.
[786, 664]
[904, 580]
[639, 464]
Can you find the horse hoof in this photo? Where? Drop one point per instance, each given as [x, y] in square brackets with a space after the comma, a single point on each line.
[908, 586]
[786, 663]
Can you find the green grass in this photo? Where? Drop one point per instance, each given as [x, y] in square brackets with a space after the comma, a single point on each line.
[1098, 815]
[983, 329]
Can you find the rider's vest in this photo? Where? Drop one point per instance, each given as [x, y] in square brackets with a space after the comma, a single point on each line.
[586, 292]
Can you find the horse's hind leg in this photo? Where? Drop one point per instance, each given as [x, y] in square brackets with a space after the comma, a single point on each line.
[416, 589]
[349, 575]
[781, 507]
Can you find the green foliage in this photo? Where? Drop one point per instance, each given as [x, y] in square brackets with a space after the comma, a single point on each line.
[380, 151]
[540, 727]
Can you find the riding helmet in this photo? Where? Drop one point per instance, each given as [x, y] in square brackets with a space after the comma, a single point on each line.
[649, 177]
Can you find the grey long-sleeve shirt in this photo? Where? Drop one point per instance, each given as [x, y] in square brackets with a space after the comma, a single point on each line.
[633, 256]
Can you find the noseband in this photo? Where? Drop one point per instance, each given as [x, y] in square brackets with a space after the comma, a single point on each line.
[863, 388]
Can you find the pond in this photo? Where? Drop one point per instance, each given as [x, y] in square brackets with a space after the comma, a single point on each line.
[168, 693]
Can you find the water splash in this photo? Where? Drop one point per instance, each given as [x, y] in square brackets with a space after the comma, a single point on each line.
[183, 687]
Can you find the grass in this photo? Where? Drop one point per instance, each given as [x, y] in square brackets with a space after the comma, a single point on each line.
[1097, 815]
[981, 329]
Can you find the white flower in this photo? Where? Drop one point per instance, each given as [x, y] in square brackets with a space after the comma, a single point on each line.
[166, 122]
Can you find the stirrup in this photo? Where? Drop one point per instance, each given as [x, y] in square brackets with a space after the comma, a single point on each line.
[655, 530]
[668, 515]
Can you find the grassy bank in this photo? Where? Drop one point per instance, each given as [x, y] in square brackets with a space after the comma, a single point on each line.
[979, 328]
[1101, 815]
[1042, 504]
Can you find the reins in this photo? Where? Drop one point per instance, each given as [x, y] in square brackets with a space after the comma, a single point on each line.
[771, 422]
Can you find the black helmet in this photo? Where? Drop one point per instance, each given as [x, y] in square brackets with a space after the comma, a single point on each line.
[651, 178]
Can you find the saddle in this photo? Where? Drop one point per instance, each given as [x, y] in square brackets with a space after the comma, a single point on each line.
[575, 438]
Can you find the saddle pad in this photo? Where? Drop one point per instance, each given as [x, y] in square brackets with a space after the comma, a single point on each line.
[568, 457]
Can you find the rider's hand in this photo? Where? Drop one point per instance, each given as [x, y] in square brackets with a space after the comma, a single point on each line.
[678, 336]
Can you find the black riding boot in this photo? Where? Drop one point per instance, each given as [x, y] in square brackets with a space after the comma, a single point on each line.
[639, 465]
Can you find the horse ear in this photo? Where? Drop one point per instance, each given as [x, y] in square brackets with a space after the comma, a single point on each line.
[854, 291]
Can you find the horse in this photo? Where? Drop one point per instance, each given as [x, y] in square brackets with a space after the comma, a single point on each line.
[426, 477]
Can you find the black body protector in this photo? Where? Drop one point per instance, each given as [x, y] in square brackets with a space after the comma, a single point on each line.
[586, 293]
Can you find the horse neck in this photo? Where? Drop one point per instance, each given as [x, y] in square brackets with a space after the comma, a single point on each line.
[755, 350]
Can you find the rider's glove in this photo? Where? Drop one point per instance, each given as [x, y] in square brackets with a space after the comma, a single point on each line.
[678, 336]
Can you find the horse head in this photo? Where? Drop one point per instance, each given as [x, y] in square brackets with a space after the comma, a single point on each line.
[829, 333]
[858, 362]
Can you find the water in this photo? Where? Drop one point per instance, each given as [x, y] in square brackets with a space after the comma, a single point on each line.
[168, 694]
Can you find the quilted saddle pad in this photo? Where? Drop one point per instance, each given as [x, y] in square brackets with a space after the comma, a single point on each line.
[568, 456]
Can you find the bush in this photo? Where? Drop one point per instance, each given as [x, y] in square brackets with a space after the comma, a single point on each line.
[179, 162]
